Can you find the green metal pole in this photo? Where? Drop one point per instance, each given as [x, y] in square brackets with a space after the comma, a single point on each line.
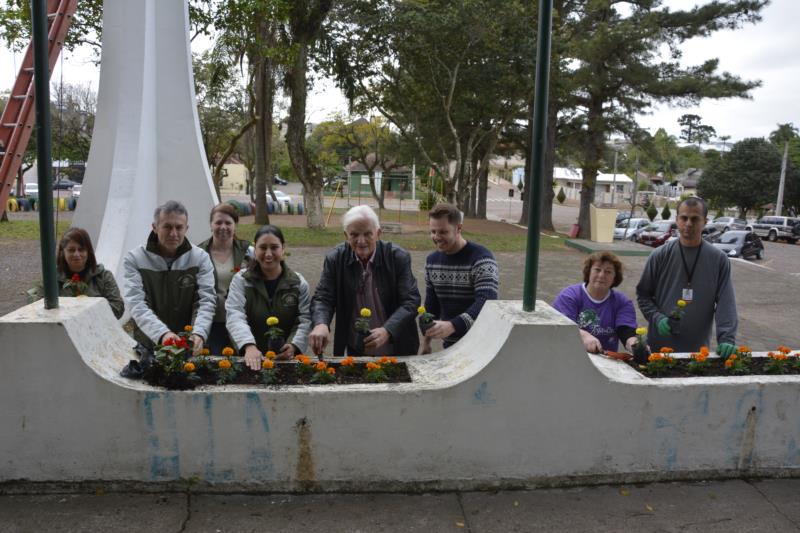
[538, 146]
[41, 79]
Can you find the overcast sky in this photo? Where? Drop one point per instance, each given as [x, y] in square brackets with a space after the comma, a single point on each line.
[768, 51]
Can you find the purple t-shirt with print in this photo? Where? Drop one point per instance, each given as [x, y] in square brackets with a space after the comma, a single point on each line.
[600, 318]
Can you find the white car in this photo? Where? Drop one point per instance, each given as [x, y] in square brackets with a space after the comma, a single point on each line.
[76, 191]
[624, 230]
[283, 199]
[32, 189]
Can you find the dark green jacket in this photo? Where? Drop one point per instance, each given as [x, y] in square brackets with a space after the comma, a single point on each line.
[249, 305]
[240, 262]
[100, 283]
[163, 297]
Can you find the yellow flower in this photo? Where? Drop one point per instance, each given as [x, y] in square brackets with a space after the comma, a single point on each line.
[272, 321]
[187, 329]
[641, 331]
[270, 355]
[188, 367]
[227, 351]
[224, 364]
[420, 309]
[681, 303]
[365, 312]
[267, 364]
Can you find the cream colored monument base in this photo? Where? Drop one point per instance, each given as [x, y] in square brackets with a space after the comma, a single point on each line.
[602, 221]
[517, 403]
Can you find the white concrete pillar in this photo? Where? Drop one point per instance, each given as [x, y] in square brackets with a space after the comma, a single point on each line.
[146, 145]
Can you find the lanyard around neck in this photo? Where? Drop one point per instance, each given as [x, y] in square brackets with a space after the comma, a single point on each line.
[690, 273]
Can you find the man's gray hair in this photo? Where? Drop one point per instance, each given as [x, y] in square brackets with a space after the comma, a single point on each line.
[360, 212]
[171, 206]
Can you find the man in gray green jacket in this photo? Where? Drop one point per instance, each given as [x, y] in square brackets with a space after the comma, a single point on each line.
[169, 283]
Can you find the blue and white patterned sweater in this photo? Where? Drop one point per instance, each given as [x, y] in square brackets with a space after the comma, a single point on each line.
[457, 285]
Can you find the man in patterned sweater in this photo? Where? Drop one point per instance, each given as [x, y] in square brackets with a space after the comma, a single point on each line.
[459, 277]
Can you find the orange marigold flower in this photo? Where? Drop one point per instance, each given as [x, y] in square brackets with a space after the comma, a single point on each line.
[331, 370]
[373, 366]
[728, 363]
[655, 357]
[205, 351]
[224, 364]
[732, 357]
[666, 350]
[784, 349]
[187, 329]
[322, 365]
[393, 360]
[227, 351]
[744, 349]
[188, 367]
[670, 360]
[384, 359]
[270, 355]
[303, 359]
[348, 361]
[704, 350]
[267, 364]
[700, 357]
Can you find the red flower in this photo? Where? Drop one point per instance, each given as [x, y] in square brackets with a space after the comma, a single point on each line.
[169, 342]
[236, 269]
[181, 343]
[76, 277]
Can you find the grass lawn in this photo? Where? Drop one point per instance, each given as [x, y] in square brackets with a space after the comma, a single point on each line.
[497, 237]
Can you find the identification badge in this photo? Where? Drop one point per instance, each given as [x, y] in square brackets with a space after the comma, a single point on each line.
[687, 295]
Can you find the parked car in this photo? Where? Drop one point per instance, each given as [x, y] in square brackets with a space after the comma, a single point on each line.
[774, 228]
[32, 190]
[740, 243]
[279, 180]
[729, 223]
[76, 191]
[709, 233]
[658, 233]
[63, 184]
[627, 231]
[283, 198]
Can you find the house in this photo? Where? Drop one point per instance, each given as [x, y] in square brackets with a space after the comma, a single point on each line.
[688, 181]
[234, 176]
[398, 179]
[571, 180]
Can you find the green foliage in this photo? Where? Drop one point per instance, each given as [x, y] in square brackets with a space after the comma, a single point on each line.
[561, 196]
[651, 212]
[666, 213]
[427, 201]
[694, 131]
[746, 177]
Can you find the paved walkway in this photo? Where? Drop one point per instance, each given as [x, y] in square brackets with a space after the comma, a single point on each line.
[730, 506]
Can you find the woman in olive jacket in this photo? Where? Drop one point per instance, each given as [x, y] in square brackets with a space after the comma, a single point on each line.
[268, 288]
[79, 274]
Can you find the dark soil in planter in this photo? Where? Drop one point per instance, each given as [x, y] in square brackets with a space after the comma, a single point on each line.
[287, 373]
[716, 367]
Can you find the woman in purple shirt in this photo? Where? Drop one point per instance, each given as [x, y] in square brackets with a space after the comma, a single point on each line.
[605, 316]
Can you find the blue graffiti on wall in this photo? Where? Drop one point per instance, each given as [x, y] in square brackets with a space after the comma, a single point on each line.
[163, 441]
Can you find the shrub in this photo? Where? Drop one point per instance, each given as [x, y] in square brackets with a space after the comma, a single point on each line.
[666, 213]
[561, 196]
[427, 202]
[651, 212]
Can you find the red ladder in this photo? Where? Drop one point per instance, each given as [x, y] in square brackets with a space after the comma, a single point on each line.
[16, 122]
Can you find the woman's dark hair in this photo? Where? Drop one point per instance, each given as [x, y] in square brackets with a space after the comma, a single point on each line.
[603, 257]
[268, 229]
[81, 237]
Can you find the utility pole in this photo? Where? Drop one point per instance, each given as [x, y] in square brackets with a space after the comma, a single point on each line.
[779, 203]
[614, 179]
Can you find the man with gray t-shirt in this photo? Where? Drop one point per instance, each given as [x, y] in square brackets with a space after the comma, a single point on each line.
[692, 270]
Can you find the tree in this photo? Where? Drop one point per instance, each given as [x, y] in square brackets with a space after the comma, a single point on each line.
[302, 32]
[446, 76]
[616, 73]
[784, 133]
[369, 142]
[694, 131]
[746, 177]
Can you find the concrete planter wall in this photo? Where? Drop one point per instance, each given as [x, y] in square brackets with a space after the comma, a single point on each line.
[517, 403]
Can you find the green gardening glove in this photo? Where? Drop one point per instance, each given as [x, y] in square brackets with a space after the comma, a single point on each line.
[663, 327]
[724, 350]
